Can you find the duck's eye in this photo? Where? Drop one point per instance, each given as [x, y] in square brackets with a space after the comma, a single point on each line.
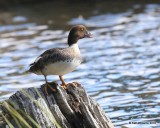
[81, 29]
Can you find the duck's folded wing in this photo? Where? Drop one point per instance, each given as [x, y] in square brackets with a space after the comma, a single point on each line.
[49, 56]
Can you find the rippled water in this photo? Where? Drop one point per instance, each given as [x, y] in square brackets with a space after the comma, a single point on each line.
[121, 68]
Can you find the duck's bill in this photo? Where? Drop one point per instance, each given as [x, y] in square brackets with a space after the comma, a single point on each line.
[88, 35]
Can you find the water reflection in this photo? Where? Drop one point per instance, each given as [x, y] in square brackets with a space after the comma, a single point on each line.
[121, 63]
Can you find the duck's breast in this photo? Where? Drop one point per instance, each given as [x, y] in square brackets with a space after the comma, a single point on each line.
[61, 67]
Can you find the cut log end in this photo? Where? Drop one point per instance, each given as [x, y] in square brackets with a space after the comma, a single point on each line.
[65, 108]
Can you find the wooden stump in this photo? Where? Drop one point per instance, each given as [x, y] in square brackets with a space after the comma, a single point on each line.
[71, 108]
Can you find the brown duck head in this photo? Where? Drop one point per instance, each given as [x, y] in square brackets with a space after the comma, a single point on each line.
[78, 32]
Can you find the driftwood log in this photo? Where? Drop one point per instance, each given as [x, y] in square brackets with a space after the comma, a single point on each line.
[71, 108]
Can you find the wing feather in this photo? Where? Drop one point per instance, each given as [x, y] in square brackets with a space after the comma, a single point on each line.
[49, 56]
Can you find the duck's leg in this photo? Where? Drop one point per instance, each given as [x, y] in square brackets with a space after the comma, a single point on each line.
[47, 85]
[63, 82]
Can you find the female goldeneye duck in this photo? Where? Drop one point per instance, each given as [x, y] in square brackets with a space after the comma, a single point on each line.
[60, 61]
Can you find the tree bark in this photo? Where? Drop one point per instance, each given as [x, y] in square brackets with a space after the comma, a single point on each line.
[71, 108]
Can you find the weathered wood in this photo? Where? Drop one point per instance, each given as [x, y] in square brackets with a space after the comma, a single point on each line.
[71, 107]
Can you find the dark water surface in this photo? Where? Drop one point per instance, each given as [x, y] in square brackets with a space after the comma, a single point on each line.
[121, 70]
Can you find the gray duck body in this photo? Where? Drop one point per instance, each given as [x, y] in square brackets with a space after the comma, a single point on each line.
[57, 61]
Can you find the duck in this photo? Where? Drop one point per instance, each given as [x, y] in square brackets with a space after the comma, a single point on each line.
[61, 61]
